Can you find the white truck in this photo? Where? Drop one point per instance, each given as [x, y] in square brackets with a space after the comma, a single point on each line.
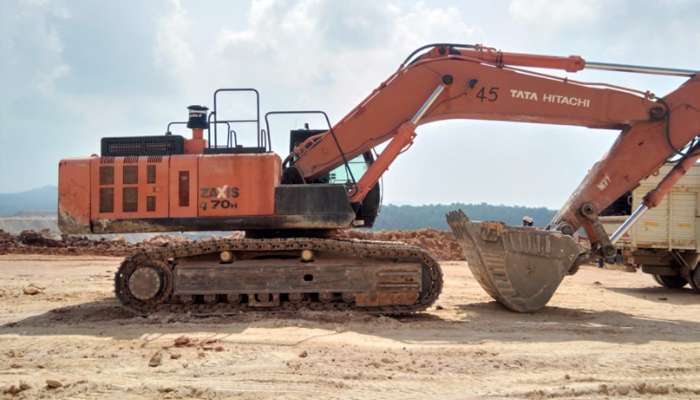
[665, 242]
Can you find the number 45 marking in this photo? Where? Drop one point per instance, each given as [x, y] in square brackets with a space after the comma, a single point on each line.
[491, 95]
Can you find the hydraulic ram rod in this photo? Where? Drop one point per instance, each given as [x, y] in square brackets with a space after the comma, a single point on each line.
[640, 69]
[570, 64]
[622, 229]
[427, 104]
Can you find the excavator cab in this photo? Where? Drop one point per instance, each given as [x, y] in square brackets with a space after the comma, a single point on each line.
[347, 174]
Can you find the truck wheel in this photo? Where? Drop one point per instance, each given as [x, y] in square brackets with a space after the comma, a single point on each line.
[696, 279]
[671, 282]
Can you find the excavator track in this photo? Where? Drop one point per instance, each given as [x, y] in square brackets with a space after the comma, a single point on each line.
[389, 278]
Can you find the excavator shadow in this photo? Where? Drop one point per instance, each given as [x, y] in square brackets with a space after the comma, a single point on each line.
[681, 297]
[471, 323]
[105, 318]
[489, 321]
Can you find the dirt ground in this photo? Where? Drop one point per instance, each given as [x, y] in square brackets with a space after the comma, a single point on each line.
[606, 334]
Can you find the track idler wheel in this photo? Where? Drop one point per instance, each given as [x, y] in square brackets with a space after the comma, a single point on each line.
[143, 286]
[520, 267]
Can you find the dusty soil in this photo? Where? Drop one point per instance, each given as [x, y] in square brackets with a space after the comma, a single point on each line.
[49, 243]
[605, 334]
[442, 245]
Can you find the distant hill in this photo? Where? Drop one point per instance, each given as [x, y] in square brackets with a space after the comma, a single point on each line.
[42, 202]
[39, 200]
[433, 215]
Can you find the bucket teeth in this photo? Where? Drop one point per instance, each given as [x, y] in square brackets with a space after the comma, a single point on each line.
[520, 267]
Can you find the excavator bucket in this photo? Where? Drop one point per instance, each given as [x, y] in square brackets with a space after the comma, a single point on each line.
[519, 267]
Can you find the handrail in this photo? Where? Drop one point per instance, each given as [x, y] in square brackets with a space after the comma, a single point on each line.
[167, 129]
[330, 129]
[236, 121]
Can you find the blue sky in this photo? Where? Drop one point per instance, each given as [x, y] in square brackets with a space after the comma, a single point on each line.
[75, 71]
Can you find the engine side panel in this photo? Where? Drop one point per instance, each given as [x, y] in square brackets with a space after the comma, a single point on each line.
[192, 193]
[74, 196]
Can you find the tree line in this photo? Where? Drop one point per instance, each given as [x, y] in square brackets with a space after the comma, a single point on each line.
[393, 217]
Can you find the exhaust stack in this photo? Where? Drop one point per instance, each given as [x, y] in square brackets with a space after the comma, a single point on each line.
[197, 121]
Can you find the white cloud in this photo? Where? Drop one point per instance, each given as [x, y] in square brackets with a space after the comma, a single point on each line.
[45, 81]
[308, 54]
[29, 36]
[173, 51]
[423, 24]
[328, 50]
[555, 14]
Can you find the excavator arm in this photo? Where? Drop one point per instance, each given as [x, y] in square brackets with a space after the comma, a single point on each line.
[520, 267]
[473, 82]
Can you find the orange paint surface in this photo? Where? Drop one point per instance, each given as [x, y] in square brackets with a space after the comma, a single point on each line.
[237, 185]
[74, 193]
[180, 186]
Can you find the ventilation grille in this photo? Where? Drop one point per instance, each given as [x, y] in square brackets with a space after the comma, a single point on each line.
[106, 200]
[130, 199]
[130, 174]
[142, 146]
[151, 174]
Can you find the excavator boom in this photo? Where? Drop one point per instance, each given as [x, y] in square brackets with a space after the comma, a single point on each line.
[473, 82]
[483, 84]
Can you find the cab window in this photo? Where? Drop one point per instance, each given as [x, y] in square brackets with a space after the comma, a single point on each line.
[357, 165]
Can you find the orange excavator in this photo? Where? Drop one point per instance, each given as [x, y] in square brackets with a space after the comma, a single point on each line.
[291, 208]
